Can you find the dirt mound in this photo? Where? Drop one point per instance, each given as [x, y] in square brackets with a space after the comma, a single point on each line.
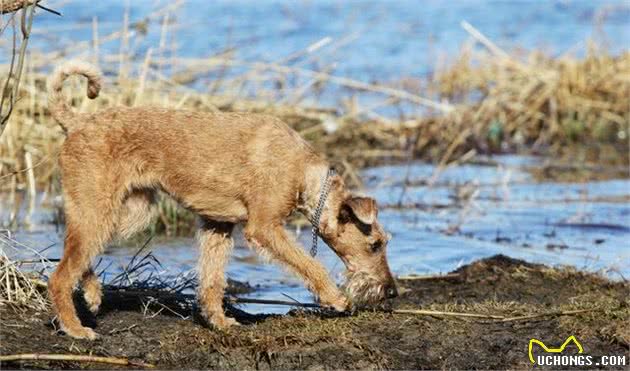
[558, 302]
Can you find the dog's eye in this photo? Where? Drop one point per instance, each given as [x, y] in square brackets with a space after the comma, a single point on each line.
[376, 246]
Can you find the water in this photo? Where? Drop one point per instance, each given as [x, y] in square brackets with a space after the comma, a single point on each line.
[586, 225]
[384, 40]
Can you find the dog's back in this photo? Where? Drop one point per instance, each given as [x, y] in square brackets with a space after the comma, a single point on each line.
[194, 156]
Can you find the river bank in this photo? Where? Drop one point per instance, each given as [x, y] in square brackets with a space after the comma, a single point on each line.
[516, 301]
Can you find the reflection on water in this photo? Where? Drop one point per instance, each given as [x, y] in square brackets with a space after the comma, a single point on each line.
[462, 214]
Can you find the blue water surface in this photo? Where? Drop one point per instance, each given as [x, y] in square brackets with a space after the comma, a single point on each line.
[385, 40]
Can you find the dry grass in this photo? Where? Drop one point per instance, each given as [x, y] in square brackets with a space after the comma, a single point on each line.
[22, 288]
[537, 101]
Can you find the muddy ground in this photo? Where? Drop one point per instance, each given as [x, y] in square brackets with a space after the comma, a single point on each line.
[368, 339]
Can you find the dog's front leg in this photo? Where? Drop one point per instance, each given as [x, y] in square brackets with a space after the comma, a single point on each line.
[275, 241]
[215, 242]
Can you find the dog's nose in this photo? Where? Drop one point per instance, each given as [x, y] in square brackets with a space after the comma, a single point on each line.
[391, 292]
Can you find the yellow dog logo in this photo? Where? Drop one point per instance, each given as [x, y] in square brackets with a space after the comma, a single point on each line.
[553, 350]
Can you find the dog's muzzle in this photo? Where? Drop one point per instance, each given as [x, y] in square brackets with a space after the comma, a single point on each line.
[364, 289]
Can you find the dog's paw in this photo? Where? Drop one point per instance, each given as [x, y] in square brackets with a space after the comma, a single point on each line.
[81, 333]
[222, 322]
[93, 301]
[92, 293]
[342, 305]
[339, 304]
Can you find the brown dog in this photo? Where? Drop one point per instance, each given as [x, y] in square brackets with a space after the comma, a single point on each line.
[228, 168]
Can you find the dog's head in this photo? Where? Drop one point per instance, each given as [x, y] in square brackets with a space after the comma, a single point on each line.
[351, 228]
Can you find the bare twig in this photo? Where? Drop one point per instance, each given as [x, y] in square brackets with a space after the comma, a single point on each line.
[73, 358]
[493, 316]
[10, 93]
[326, 77]
[431, 277]
[26, 169]
[448, 314]
[271, 302]
[53, 11]
[547, 314]
[488, 43]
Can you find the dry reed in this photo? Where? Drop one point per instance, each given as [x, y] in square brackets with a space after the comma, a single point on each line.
[20, 288]
[535, 102]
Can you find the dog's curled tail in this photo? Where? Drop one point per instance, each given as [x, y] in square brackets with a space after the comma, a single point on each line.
[57, 105]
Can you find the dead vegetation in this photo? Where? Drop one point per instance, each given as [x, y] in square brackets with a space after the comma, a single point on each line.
[21, 286]
[536, 101]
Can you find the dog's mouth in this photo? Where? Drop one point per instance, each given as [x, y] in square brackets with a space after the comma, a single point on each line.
[364, 290]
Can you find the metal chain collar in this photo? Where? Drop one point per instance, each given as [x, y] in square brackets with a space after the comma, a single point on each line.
[323, 195]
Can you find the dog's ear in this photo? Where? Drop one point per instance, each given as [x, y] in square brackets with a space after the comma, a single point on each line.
[364, 208]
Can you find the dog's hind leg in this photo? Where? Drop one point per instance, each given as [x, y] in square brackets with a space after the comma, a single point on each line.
[215, 242]
[87, 229]
[136, 213]
[92, 290]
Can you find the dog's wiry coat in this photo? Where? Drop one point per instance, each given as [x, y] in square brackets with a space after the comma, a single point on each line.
[228, 168]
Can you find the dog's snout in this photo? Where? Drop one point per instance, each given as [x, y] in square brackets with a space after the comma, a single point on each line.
[391, 292]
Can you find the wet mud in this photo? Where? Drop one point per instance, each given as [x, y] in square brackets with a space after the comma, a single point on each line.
[169, 333]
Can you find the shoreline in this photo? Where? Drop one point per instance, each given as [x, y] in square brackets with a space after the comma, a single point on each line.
[541, 302]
